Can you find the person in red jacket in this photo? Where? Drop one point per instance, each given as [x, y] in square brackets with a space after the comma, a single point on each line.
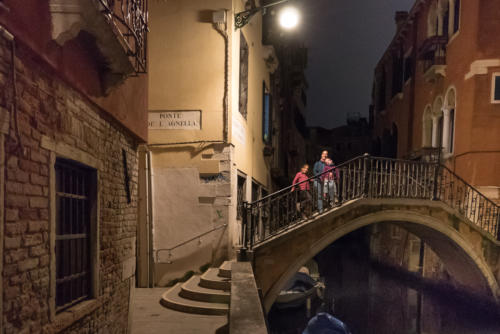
[304, 196]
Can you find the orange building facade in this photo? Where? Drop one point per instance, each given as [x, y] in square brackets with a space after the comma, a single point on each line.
[438, 86]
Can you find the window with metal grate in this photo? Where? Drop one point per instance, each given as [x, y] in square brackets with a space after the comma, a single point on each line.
[73, 233]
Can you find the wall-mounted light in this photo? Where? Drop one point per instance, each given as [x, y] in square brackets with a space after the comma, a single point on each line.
[288, 17]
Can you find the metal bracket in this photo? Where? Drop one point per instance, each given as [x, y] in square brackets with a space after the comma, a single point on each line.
[242, 19]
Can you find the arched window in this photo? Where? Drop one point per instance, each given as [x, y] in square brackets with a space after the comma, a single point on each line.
[446, 16]
[456, 16]
[432, 20]
[440, 132]
[437, 123]
[449, 120]
[427, 127]
[452, 17]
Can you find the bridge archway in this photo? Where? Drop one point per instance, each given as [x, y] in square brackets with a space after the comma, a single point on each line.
[457, 244]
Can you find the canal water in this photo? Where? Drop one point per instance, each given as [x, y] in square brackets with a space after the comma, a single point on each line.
[378, 299]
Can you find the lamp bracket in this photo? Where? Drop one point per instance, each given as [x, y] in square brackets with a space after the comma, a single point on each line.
[242, 18]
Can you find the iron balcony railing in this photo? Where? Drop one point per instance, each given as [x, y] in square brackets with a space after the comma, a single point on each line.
[129, 19]
[368, 177]
[433, 51]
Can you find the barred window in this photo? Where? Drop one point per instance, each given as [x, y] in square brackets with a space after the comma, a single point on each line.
[255, 191]
[240, 196]
[74, 203]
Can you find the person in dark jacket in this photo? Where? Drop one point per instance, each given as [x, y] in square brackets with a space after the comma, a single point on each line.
[318, 184]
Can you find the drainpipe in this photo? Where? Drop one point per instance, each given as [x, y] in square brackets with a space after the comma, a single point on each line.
[219, 20]
[151, 262]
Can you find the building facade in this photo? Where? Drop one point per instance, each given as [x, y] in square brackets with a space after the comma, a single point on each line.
[435, 98]
[437, 86]
[73, 111]
[211, 140]
[289, 126]
[289, 129]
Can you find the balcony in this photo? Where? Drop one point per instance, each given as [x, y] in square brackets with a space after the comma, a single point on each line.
[428, 154]
[119, 28]
[433, 54]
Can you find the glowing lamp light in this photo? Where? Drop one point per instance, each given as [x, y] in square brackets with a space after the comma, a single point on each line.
[289, 17]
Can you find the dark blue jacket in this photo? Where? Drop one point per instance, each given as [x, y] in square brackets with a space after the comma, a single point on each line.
[318, 167]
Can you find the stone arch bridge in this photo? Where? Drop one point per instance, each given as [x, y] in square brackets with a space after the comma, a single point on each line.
[450, 216]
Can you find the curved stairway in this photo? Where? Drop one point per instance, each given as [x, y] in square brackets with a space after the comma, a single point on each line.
[206, 294]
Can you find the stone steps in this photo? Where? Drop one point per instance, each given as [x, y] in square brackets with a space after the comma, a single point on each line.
[207, 294]
[192, 290]
[212, 280]
[174, 301]
[225, 269]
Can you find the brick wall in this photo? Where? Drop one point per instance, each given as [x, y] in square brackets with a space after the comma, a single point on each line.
[49, 109]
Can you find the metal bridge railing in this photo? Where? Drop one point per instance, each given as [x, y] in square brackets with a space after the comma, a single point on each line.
[367, 177]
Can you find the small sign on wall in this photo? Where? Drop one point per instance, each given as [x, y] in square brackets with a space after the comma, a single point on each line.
[174, 120]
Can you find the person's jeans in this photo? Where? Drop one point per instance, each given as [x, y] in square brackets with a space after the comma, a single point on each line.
[330, 189]
[318, 188]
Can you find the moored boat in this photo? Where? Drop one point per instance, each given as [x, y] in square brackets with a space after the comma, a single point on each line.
[300, 288]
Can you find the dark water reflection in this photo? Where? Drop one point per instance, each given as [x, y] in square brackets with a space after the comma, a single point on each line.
[400, 304]
[293, 320]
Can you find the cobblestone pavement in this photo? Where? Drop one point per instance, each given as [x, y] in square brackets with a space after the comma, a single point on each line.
[150, 317]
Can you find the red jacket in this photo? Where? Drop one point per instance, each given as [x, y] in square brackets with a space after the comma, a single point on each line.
[299, 178]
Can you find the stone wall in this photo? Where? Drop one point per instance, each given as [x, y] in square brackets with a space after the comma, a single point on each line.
[191, 202]
[53, 118]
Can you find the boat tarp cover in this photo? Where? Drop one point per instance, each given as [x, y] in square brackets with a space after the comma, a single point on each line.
[300, 282]
[324, 323]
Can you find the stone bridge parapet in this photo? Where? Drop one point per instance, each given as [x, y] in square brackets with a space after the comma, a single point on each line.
[468, 252]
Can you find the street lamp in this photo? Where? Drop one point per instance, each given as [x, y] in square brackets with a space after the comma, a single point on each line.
[288, 17]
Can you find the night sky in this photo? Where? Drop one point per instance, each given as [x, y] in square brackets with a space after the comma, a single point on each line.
[346, 38]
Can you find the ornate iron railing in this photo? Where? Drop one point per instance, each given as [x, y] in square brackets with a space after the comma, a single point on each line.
[433, 51]
[129, 19]
[366, 177]
[454, 191]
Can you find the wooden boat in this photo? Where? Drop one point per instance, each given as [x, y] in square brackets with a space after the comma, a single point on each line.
[297, 291]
